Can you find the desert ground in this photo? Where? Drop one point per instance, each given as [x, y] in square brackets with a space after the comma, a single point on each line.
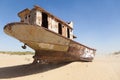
[19, 67]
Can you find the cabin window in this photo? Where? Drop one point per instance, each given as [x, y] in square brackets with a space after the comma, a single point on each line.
[44, 20]
[29, 16]
[59, 28]
[25, 17]
[68, 32]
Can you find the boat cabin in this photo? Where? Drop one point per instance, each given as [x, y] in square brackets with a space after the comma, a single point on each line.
[40, 17]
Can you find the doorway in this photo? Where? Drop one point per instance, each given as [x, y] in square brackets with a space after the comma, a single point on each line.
[68, 32]
[44, 20]
[60, 28]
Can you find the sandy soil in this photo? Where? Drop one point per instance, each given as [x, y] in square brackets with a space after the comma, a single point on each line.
[18, 67]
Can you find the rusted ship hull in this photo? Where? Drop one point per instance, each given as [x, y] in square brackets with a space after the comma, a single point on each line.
[49, 46]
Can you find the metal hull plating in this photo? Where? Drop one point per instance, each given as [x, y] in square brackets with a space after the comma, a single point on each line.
[49, 46]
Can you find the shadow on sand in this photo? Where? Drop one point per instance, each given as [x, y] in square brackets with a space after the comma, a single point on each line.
[28, 69]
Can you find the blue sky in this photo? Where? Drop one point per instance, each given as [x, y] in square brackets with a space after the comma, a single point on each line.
[96, 22]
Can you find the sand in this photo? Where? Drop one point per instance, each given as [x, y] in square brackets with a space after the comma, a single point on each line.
[19, 67]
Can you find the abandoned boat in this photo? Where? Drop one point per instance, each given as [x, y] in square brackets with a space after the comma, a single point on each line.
[50, 37]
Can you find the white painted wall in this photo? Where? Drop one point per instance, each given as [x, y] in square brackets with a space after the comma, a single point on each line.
[71, 34]
[53, 25]
[70, 24]
[38, 18]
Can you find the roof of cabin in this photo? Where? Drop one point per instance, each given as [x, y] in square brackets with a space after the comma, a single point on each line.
[27, 11]
[24, 12]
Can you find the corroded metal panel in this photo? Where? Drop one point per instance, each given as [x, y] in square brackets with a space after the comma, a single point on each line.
[75, 52]
[29, 33]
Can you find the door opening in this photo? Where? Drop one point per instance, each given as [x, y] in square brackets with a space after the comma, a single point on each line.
[68, 32]
[59, 28]
[44, 20]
